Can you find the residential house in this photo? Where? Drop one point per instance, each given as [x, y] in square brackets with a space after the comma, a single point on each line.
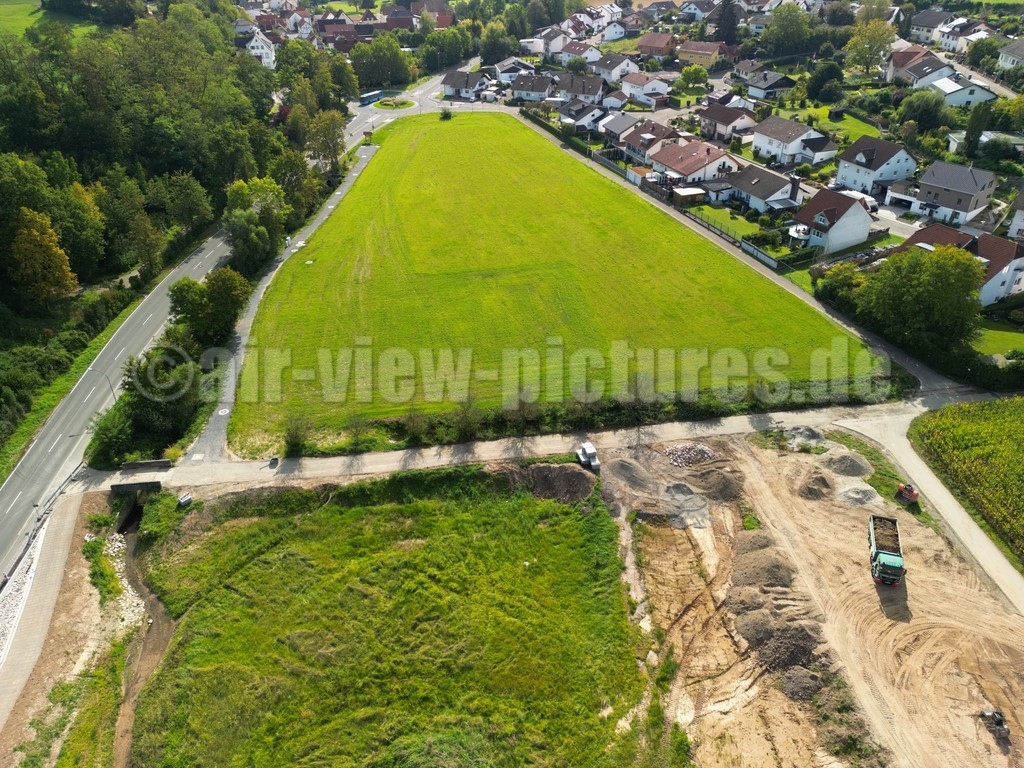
[580, 114]
[769, 85]
[691, 162]
[552, 40]
[721, 122]
[586, 88]
[615, 100]
[532, 87]
[615, 125]
[508, 70]
[946, 192]
[645, 139]
[694, 52]
[1017, 221]
[697, 10]
[578, 50]
[645, 89]
[746, 69]
[1012, 54]
[659, 9]
[613, 67]
[956, 138]
[956, 35]
[870, 165]
[574, 28]
[924, 26]
[918, 67]
[616, 30]
[592, 19]
[834, 221]
[657, 44]
[938, 234]
[788, 142]
[258, 45]
[465, 85]
[758, 23]
[958, 92]
[763, 190]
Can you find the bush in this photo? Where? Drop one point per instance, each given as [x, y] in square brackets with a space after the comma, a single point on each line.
[446, 113]
[804, 170]
[296, 435]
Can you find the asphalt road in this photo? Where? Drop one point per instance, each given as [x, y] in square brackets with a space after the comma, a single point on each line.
[60, 443]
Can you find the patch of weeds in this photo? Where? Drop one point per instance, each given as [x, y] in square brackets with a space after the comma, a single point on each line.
[667, 670]
[681, 751]
[562, 458]
[770, 439]
[751, 522]
[885, 479]
[698, 568]
[101, 569]
[842, 730]
[90, 741]
[100, 522]
[815, 450]
[655, 719]
[48, 727]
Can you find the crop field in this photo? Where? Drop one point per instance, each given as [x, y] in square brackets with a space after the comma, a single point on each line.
[478, 235]
[17, 15]
[975, 445]
[468, 627]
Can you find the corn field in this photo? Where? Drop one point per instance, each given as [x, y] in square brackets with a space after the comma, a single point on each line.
[979, 446]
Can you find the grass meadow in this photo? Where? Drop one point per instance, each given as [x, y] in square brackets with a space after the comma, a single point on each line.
[17, 15]
[477, 233]
[466, 627]
[998, 338]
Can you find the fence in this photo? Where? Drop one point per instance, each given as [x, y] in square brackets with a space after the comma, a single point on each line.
[730, 235]
[571, 141]
[656, 191]
[748, 247]
[611, 165]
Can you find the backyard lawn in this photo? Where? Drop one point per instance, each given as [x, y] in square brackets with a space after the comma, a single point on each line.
[849, 125]
[726, 219]
[998, 338]
[17, 15]
[445, 244]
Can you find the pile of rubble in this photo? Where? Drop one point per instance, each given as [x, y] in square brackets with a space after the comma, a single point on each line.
[688, 454]
[130, 607]
[14, 595]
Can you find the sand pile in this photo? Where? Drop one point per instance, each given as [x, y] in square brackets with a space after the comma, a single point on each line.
[720, 485]
[847, 463]
[632, 474]
[762, 567]
[815, 486]
[751, 541]
[858, 495]
[567, 483]
[799, 683]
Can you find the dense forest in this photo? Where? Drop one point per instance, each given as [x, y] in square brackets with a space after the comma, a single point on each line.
[116, 152]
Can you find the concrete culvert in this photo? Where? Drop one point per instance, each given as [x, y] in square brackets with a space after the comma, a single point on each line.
[815, 486]
[567, 483]
[751, 541]
[632, 474]
[847, 463]
[764, 567]
[799, 683]
[721, 486]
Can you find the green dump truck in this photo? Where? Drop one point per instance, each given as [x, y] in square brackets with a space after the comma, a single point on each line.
[886, 553]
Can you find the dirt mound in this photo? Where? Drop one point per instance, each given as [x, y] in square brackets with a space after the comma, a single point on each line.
[815, 486]
[797, 436]
[756, 627]
[792, 644]
[632, 474]
[751, 541]
[847, 463]
[764, 566]
[744, 599]
[860, 494]
[567, 483]
[799, 683]
[721, 486]
[683, 498]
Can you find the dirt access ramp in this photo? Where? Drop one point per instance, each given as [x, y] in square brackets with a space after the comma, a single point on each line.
[923, 659]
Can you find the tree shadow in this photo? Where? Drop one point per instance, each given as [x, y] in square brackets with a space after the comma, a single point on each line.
[893, 601]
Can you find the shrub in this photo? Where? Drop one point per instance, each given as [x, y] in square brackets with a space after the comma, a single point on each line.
[296, 434]
[804, 170]
[446, 113]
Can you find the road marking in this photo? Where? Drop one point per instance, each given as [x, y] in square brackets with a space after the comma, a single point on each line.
[119, 353]
[56, 441]
[148, 318]
[90, 394]
[13, 503]
[197, 266]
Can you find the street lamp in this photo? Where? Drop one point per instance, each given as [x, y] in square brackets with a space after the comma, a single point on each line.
[109, 383]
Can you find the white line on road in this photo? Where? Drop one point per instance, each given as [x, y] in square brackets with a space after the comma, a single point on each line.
[197, 266]
[56, 441]
[90, 394]
[119, 353]
[148, 318]
[13, 503]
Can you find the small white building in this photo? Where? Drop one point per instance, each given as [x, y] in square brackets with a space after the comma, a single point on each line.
[465, 85]
[834, 221]
[259, 46]
[871, 164]
[789, 142]
[692, 162]
[511, 68]
[577, 49]
[764, 190]
[644, 89]
[1012, 54]
[613, 67]
[960, 92]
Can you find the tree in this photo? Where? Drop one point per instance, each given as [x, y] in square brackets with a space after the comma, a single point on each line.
[693, 75]
[728, 19]
[907, 13]
[496, 44]
[839, 15]
[873, 10]
[998, 149]
[302, 185]
[577, 65]
[986, 48]
[788, 30]
[537, 15]
[382, 62]
[925, 107]
[326, 140]
[36, 265]
[825, 72]
[869, 43]
[978, 122]
[514, 17]
[926, 300]
[210, 309]
[343, 76]
[251, 245]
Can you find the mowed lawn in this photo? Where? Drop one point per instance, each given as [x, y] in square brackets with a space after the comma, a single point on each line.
[478, 233]
[17, 15]
[847, 124]
[998, 338]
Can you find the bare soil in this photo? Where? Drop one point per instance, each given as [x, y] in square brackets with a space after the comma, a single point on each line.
[757, 618]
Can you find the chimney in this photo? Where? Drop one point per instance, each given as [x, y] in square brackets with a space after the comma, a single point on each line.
[794, 187]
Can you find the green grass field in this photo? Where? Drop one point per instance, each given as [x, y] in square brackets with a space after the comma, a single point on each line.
[479, 234]
[469, 629]
[727, 219]
[17, 15]
[849, 125]
[998, 338]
